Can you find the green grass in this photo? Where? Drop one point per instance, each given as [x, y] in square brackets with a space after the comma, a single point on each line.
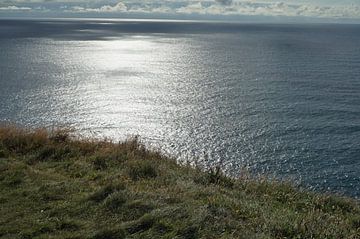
[56, 186]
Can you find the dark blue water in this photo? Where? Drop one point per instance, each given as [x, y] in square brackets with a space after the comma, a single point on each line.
[283, 100]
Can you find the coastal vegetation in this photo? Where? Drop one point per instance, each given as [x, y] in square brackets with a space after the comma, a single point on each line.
[56, 185]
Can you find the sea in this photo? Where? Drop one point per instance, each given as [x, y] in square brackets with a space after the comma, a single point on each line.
[271, 100]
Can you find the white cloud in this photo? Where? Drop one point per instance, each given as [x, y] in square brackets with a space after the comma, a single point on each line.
[119, 7]
[271, 9]
[289, 8]
[192, 8]
[15, 8]
[150, 9]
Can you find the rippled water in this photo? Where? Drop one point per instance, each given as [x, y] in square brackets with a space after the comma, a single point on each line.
[277, 99]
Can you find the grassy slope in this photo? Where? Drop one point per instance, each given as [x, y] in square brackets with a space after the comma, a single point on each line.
[52, 186]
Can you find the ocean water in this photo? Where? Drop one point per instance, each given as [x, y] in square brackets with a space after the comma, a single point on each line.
[280, 100]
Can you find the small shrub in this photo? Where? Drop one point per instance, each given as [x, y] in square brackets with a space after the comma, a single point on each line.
[142, 170]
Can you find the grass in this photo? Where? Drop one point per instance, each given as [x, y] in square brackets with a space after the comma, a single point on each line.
[53, 185]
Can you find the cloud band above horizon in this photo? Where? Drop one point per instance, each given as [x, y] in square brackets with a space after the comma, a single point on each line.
[287, 8]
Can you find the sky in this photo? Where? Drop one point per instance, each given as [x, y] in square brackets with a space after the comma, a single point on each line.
[301, 10]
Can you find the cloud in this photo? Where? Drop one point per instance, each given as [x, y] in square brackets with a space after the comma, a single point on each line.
[192, 8]
[15, 8]
[150, 9]
[253, 8]
[287, 8]
[119, 7]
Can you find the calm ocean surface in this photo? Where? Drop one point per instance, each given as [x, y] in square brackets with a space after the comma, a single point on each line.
[283, 100]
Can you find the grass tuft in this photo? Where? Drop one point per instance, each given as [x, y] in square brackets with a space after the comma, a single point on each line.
[189, 232]
[115, 201]
[215, 176]
[105, 191]
[141, 225]
[3, 153]
[68, 226]
[99, 163]
[142, 170]
[116, 233]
